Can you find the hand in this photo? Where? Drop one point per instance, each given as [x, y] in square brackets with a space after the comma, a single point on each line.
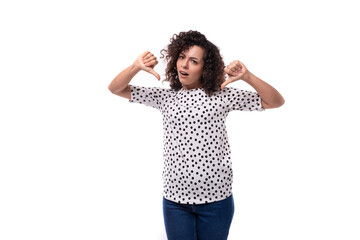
[147, 61]
[235, 70]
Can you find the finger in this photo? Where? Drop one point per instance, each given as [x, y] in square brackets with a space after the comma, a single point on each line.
[231, 71]
[237, 65]
[151, 59]
[142, 57]
[152, 63]
[224, 84]
[227, 70]
[237, 70]
[232, 67]
[148, 55]
[241, 65]
[144, 54]
[233, 64]
[152, 71]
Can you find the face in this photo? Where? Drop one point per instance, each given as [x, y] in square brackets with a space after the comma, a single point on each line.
[190, 67]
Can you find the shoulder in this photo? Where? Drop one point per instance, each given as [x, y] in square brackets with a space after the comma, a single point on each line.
[233, 91]
[152, 92]
[151, 89]
[229, 92]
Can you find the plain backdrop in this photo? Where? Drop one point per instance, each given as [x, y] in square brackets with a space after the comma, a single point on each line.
[78, 162]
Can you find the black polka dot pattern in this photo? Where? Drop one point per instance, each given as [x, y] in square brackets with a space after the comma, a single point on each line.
[197, 162]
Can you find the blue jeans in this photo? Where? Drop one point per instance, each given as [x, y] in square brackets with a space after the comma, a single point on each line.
[210, 221]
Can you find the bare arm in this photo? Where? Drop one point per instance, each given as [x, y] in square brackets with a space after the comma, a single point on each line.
[120, 85]
[270, 97]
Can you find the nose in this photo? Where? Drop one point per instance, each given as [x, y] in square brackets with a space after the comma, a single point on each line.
[185, 64]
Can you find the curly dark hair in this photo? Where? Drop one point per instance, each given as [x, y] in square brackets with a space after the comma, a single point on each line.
[213, 72]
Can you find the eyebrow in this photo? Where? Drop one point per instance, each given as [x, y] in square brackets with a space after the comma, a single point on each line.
[190, 57]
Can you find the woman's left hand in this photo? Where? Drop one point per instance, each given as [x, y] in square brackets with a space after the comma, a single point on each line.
[236, 70]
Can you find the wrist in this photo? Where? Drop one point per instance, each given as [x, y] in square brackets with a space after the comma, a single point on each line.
[134, 68]
[247, 77]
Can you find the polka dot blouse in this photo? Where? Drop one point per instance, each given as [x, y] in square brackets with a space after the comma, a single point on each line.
[197, 162]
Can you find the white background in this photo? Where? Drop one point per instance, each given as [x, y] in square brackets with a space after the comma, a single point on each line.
[78, 162]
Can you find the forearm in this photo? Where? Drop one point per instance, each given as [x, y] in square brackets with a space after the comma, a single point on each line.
[268, 94]
[122, 80]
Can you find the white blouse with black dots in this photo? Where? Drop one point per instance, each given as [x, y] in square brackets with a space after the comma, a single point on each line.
[197, 162]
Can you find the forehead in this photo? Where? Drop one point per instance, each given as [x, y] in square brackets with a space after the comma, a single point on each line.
[194, 51]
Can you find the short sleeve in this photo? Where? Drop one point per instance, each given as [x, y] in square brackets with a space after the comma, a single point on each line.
[154, 97]
[242, 100]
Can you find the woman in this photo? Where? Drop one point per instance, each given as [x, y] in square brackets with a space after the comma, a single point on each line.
[197, 174]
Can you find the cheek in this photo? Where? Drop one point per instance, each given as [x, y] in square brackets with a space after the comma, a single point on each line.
[199, 71]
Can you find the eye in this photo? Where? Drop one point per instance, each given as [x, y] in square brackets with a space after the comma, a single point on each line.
[194, 61]
[181, 57]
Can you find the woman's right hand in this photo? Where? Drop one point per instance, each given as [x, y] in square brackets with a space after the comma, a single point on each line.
[147, 61]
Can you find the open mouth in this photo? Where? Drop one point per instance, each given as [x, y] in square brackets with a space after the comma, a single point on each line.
[183, 73]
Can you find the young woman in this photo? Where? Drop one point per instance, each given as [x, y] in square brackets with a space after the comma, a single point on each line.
[197, 174]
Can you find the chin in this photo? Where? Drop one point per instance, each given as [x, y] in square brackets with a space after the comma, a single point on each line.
[183, 82]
